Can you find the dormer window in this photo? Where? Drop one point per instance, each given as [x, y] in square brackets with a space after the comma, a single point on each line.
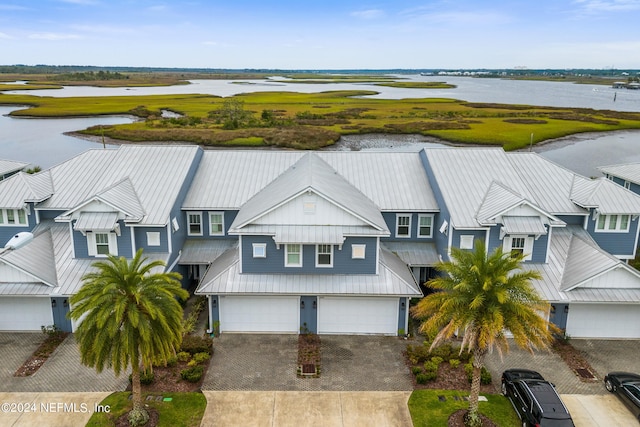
[13, 217]
[194, 223]
[612, 223]
[324, 256]
[216, 224]
[403, 225]
[101, 243]
[518, 245]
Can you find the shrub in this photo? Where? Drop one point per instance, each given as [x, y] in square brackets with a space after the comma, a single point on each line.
[445, 352]
[485, 376]
[146, 377]
[191, 363]
[192, 374]
[194, 344]
[454, 363]
[183, 356]
[171, 361]
[422, 378]
[415, 370]
[418, 354]
[430, 367]
[431, 375]
[201, 357]
[437, 360]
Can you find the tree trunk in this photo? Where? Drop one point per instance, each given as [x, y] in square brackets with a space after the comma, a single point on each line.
[473, 417]
[136, 390]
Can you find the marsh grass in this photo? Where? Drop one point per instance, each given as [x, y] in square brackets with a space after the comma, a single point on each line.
[314, 120]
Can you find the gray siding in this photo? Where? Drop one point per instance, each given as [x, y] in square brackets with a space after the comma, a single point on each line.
[390, 220]
[229, 216]
[477, 235]
[274, 261]
[572, 219]
[140, 234]
[615, 243]
[441, 239]
[539, 254]
[124, 243]
[8, 231]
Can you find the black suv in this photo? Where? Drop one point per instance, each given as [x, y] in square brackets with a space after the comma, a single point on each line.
[534, 399]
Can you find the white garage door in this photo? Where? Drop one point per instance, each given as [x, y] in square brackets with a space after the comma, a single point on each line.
[24, 314]
[358, 315]
[604, 321]
[260, 314]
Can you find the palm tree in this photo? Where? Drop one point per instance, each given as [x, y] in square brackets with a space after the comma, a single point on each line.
[482, 296]
[130, 316]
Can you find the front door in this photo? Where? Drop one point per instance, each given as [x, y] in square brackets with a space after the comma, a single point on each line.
[558, 315]
[60, 308]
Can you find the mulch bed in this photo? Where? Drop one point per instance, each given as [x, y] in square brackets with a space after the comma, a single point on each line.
[575, 360]
[457, 419]
[154, 416]
[309, 355]
[451, 379]
[168, 380]
[42, 353]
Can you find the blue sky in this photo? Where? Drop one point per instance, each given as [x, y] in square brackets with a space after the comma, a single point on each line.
[324, 34]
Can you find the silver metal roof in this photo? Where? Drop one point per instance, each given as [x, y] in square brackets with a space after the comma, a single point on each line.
[604, 195]
[497, 200]
[96, 221]
[628, 171]
[393, 181]
[523, 225]
[21, 188]
[224, 278]
[35, 259]
[415, 254]
[204, 251]
[310, 234]
[9, 166]
[310, 173]
[152, 174]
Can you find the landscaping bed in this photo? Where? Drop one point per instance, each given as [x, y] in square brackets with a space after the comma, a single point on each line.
[308, 355]
[575, 360]
[53, 339]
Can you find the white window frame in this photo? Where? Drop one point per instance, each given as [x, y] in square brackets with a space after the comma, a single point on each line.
[189, 223]
[358, 251]
[287, 252]
[528, 245]
[153, 238]
[606, 223]
[398, 217]
[92, 245]
[259, 250]
[211, 223]
[426, 236]
[627, 184]
[466, 241]
[318, 253]
[4, 218]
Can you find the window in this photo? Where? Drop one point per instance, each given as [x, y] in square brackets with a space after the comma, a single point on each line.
[466, 242]
[194, 221]
[324, 256]
[627, 185]
[403, 225]
[358, 251]
[612, 223]
[13, 217]
[518, 245]
[425, 228]
[259, 250]
[216, 224]
[101, 243]
[153, 238]
[293, 255]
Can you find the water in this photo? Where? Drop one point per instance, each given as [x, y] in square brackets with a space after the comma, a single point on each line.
[42, 142]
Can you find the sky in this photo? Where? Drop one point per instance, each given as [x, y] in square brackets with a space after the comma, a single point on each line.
[323, 34]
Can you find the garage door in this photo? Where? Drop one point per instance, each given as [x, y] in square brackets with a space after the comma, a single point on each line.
[604, 321]
[357, 315]
[260, 314]
[24, 314]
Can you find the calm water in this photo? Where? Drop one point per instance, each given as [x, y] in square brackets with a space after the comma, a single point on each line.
[42, 142]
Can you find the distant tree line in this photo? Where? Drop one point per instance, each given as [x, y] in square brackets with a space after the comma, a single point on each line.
[90, 76]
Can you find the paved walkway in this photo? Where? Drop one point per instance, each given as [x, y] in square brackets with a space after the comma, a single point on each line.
[302, 409]
[62, 372]
[269, 362]
[598, 411]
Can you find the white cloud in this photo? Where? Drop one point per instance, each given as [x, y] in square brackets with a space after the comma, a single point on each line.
[53, 36]
[106, 29]
[4, 36]
[466, 18]
[594, 6]
[12, 7]
[368, 14]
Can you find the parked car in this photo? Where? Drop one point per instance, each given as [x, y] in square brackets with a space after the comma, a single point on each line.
[535, 399]
[627, 387]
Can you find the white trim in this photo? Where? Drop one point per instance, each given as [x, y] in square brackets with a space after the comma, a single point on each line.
[403, 215]
[467, 239]
[286, 255]
[4, 219]
[607, 219]
[546, 259]
[430, 235]
[221, 233]
[527, 249]
[262, 246]
[169, 239]
[239, 261]
[450, 238]
[318, 265]
[133, 240]
[627, 184]
[92, 245]
[153, 238]
[189, 233]
[73, 245]
[358, 246]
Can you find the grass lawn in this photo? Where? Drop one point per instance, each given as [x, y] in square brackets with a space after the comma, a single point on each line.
[427, 410]
[185, 409]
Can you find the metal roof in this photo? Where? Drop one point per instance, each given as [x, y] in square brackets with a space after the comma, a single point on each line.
[96, 221]
[628, 171]
[604, 195]
[310, 234]
[313, 174]
[224, 278]
[9, 166]
[139, 179]
[497, 200]
[22, 187]
[523, 225]
[204, 251]
[393, 181]
[415, 254]
[35, 259]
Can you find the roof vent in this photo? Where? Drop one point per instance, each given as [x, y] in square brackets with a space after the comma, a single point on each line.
[19, 240]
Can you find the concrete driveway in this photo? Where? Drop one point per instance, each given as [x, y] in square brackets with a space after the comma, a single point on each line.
[302, 409]
[598, 410]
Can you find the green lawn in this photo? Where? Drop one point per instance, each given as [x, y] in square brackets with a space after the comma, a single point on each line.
[428, 411]
[184, 409]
